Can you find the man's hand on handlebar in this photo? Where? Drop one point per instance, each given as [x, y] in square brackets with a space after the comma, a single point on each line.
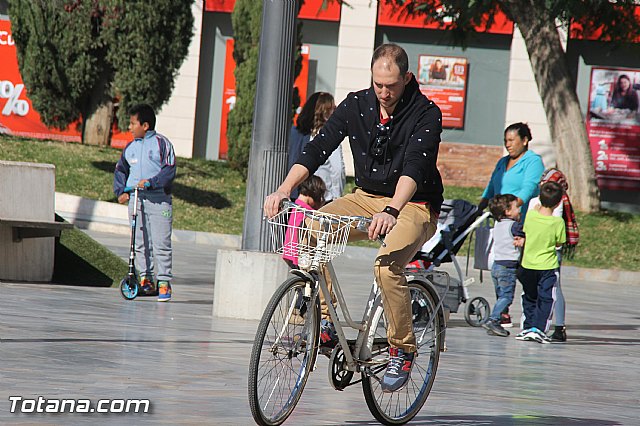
[381, 224]
[272, 203]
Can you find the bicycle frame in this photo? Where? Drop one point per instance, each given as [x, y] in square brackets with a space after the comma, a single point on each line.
[361, 356]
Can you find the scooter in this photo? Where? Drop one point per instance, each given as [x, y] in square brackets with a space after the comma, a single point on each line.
[130, 284]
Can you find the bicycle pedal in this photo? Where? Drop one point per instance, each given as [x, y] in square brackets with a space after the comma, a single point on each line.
[468, 281]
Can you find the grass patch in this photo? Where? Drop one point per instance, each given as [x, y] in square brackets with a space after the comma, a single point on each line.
[80, 260]
[209, 196]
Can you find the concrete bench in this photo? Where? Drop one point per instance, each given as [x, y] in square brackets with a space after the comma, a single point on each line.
[21, 229]
[27, 226]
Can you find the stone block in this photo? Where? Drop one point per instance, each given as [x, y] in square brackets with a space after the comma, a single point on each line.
[245, 281]
[26, 193]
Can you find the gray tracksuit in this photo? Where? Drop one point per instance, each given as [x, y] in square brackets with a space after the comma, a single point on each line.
[150, 158]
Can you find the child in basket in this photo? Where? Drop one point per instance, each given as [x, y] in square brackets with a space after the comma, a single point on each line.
[539, 269]
[311, 197]
[506, 212]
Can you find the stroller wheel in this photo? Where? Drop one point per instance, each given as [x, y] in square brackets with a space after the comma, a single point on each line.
[477, 311]
[129, 288]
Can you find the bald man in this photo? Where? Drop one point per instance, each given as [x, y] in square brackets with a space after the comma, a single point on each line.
[394, 133]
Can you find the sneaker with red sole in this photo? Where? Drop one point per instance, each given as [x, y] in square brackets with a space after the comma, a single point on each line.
[398, 370]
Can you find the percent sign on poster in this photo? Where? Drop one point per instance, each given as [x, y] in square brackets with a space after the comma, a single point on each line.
[12, 94]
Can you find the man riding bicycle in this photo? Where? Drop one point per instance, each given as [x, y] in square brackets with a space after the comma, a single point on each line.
[394, 132]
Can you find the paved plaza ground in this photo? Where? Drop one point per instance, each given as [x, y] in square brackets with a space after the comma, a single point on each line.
[89, 343]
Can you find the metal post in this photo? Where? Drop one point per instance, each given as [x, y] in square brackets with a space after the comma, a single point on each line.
[271, 118]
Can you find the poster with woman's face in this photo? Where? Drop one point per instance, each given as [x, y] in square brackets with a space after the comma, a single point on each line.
[443, 80]
[613, 95]
[613, 126]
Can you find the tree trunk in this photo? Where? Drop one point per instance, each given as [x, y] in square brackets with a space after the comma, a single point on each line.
[96, 128]
[559, 98]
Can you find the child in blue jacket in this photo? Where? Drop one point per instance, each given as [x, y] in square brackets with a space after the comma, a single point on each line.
[148, 162]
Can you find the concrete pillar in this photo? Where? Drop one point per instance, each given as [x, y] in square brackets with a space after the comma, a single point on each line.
[245, 280]
[176, 119]
[524, 102]
[355, 47]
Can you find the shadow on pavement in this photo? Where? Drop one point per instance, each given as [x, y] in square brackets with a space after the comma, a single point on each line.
[504, 420]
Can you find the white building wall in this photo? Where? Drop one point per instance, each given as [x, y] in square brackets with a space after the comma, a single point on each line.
[355, 46]
[524, 103]
[176, 119]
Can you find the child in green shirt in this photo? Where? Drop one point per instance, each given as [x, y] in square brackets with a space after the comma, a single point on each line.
[539, 267]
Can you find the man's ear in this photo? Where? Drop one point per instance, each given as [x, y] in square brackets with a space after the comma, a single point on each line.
[145, 126]
[407, 77]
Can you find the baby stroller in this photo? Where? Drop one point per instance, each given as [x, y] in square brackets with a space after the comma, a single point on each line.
[458, 218]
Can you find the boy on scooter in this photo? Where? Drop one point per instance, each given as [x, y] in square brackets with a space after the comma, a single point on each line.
[148, 162]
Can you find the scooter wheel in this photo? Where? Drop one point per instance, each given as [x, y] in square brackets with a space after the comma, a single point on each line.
[129, 288]
[477, 311]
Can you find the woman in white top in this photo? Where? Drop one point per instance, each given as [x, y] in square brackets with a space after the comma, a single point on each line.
[315, 112]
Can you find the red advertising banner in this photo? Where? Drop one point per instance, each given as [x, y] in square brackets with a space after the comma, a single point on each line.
[17, 115]
[443, 79]
[613, 126]
[229, 90]
[311, 9]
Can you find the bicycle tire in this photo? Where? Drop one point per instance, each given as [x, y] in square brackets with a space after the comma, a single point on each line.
[477, 311]
[399, 407]
[280, 366]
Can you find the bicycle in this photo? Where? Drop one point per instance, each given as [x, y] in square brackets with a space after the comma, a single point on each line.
[287, 340]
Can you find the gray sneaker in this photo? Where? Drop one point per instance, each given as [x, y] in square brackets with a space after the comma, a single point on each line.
[520, 336]
[398, 370]
[493, 327]
[534, 335]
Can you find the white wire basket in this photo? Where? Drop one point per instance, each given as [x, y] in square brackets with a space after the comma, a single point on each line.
[296, 231]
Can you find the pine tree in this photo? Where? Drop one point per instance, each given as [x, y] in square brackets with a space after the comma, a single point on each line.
[77, 56]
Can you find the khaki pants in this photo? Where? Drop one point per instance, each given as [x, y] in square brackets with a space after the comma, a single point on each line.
[415, 226]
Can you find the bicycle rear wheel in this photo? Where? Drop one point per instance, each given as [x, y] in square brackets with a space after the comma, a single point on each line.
[284, 352]
[399, 407]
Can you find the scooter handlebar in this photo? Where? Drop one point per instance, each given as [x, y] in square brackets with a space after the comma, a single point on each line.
[130, 189]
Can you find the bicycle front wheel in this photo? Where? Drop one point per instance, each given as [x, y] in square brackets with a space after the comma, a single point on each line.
[401, 406]
[284, 352]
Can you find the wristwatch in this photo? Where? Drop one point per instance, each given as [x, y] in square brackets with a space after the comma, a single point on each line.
[392, 211]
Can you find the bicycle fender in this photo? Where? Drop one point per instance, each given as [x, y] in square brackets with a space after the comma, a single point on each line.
[303, 274]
